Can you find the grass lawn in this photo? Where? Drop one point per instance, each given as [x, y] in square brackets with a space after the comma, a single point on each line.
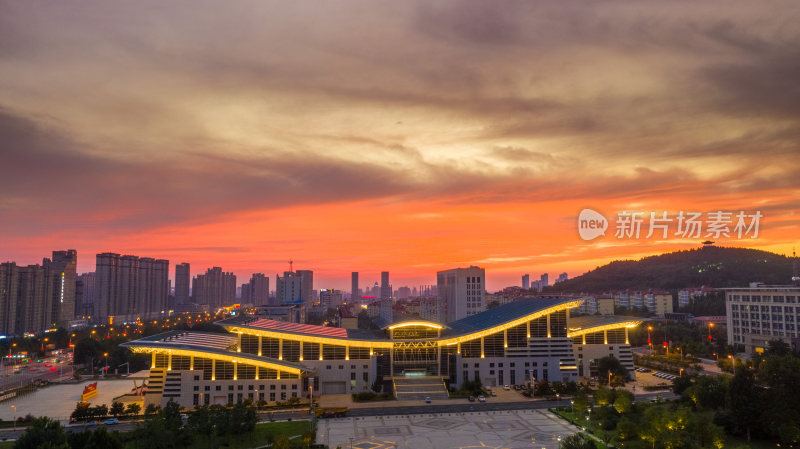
[6, 445]
[735, 443]
[260, 436]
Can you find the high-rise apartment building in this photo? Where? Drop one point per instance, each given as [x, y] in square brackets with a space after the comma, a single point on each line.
[34, 298]
[63, 271]
[295, 286]
[9, 294]
[85, 295]
[183, 277]
[544, 280]
[214, 289]
[461, 293]
[526, 281]
[130, 287]
[562, 277]
[258, 290]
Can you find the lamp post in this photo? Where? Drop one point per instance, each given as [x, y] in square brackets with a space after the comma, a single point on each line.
[15, 416]
[649, 341]
[558, 400]
[572, 404]
[710, 325]
[105, 368]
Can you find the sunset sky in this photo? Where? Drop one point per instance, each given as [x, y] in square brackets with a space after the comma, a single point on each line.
[401, 136]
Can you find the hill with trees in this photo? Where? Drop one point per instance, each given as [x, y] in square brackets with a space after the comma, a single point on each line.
[713, 266]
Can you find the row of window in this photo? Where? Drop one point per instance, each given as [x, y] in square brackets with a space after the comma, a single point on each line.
[760, 298]
[240, 397]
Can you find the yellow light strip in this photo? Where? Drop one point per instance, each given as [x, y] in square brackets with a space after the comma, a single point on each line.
[207, 355]
[510, 324]
[416, 323]
[575, 332]
[311, 338]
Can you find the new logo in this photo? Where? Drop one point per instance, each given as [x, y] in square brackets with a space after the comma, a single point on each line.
[591, 224]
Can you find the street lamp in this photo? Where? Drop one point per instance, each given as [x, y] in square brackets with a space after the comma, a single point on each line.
[558, 400]
[572, 404]
[649, 341]
[15, 416]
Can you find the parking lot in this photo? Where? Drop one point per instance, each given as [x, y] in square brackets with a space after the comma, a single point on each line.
[496, 429]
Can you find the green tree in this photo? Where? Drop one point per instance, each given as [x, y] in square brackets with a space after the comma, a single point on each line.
[81, 411]
[117, 409]
[624, 402]
[580, 403]
[200, 423]
[43, 432]
[151, 409]
[603, 396]
[576, 441]
[778, 348]
[102, 438]
[610, 364]
[282, 443]
[742, 399]
[133, 409]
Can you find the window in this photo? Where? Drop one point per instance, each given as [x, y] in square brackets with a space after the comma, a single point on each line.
[261, 387]
[352, 376]
[366, 377]
[196, 377]
[250, 387]
[207, 388]
[197, 388]
[283, 396]
[219, 387]
[283, 387]
[272, 397]
[240, 387]
[294, 386]
[272, 387]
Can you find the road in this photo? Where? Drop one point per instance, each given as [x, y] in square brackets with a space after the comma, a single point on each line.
[488, 406]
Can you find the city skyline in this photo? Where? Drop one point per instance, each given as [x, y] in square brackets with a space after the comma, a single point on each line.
[407, 137]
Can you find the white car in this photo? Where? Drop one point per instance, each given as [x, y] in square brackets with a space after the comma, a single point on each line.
[481, 398]
[506, 387]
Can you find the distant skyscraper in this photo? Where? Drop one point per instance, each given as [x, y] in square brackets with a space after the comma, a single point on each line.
[85, 294]
[354, 294]
[259, 289]
[306, 286]
[63, 272]
[9, 294]
[544, 280]
[526, 281]
[183, 277]
[562, 277]
[214, 289]
[386, 288]
[130, 287]
[461, 293]
[295, 286]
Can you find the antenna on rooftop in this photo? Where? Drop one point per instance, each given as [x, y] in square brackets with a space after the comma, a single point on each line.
[290, 265]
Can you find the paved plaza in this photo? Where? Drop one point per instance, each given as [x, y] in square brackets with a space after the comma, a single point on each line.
[503, 429]
[58, 401]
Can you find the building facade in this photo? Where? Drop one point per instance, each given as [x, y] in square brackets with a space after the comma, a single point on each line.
[525, 341]
[183, 277]
[214, 289]
[760, 313]
[130, 287]
[35, 298]
[460, 293]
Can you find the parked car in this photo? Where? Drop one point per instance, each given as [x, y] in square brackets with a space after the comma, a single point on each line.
[110, 422]
[481, 398]
[428, 400]
[472, 399]
[516, 387]
[493, 393]
[506, 387]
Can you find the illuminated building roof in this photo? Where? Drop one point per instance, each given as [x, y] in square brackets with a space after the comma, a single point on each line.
[206, 344]
[597, 323]
[475, 326]
[504, 314]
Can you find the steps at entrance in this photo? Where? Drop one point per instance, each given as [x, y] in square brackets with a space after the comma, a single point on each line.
[419, 388]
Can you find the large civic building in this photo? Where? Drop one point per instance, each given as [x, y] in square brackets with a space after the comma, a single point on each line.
[533, 339]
